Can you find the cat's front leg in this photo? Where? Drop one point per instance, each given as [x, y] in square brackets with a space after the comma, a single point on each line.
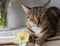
[32, 44]
[39, 42]
[43, 37]
[32, 38]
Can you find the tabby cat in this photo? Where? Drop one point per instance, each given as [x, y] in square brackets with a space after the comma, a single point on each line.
[42, 22]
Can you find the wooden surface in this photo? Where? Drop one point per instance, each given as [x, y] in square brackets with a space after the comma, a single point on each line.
[53, 41]
[8, 44]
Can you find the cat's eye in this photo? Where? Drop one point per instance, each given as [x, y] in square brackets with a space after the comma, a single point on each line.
[31, 19]
[27, 16]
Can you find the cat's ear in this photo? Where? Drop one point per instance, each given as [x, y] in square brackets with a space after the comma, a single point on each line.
[46, 4]
[26, 9]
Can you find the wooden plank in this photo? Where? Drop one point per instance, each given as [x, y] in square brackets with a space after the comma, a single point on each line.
[52, 43]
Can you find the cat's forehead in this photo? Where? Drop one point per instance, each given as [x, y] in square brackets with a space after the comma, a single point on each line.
[38, 7]
[36, 11]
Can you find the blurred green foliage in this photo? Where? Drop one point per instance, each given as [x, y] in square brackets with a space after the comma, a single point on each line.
[3, 20]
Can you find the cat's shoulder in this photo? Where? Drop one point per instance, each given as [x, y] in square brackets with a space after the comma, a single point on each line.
[53, 8]
[54, 11]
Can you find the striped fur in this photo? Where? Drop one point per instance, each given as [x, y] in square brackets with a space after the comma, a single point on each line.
[39, 19]
[42, 22]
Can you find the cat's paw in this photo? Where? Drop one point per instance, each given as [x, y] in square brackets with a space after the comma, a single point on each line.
[38, 42]
[30, 44]
[37, 45]
[32, 38]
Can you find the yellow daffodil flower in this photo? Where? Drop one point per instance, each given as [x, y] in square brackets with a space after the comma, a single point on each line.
[23, 37]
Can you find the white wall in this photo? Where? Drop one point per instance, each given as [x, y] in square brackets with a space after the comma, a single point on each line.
[32, 3]
[16, 16]
[52, 3]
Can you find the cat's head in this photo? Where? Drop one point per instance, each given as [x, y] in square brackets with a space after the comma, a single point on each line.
[34, 14]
